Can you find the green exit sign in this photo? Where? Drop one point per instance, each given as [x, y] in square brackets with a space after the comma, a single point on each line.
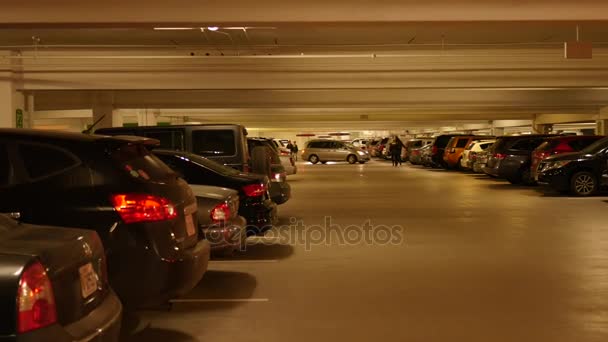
[19, 118]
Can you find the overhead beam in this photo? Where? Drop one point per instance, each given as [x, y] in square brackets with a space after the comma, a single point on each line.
[37, 13]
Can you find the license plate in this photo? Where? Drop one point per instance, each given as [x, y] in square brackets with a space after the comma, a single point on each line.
[88, 280]
[190, 225]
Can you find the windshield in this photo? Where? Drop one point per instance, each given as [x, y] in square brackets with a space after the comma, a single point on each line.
[596, 146]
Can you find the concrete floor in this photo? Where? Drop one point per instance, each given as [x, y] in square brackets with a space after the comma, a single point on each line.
[481, 260]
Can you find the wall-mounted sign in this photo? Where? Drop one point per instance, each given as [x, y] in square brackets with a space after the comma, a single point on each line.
[19, 118]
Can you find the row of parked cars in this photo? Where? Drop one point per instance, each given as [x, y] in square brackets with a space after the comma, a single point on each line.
[574, 164]
[126, 218]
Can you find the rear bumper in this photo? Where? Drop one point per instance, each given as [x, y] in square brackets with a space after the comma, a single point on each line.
[144, 278]
[280, 192]
[259, 215]
[226, 237]
[100, 325]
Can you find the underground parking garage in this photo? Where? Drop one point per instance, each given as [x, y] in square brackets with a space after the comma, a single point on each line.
[194, 171]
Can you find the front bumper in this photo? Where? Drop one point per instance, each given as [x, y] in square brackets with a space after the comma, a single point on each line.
[100, 325]
[554, 179]
[229, 236]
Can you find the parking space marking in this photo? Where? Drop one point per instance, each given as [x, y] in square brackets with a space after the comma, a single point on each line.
[221, 300]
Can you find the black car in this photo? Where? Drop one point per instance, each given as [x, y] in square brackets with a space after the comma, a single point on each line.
[280, 190]
[223, 143]
[255, 204]
[438, 148]
[511, 157]
[54, 286]
[581, 173]
[144, 213]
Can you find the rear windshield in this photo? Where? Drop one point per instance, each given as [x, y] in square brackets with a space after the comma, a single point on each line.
[596, 146]
[213, 166]
[442, 141]
[138, 162]
[213, 143]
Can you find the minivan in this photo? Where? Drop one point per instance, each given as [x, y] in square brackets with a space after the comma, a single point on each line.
[321, 150]
[223, 143]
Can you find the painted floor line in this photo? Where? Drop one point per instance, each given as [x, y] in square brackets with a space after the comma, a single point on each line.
[221, 300]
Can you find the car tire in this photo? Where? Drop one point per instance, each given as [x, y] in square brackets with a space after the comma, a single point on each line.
[583, 184]
[260, 161]
[351, 159]
[313, 159]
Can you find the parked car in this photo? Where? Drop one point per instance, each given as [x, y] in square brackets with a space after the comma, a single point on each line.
[452, 156]
[286, 157]
[559, 145]
[280, 190]
[412, 144]
[512, 157]
[54, 285]
[581, 173]
[426, 156]
[218, 219]
[372, 147]
[320, 150]
[438, 149]
[481, 159]
[255, 203]
[473, 149]
[415, 155]
[380, 147]
[223, 143]
[144, 214]
[360, 143]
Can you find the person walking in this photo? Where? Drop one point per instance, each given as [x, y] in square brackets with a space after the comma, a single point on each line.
[395, 151]
[294, 151]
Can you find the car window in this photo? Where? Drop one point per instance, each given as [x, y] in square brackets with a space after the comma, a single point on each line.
[485, 146]
[461, 143]
[5, 167]
[44, 161]
[596, 146]
[213, 143]
[580, 144]
[169, 139]
[138, 162]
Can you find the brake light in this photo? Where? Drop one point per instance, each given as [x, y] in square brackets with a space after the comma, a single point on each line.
[285, 153]
[500, 156]
[134, 208]
[254, 190]
[542, 155]
[35, 300]
[221, 212]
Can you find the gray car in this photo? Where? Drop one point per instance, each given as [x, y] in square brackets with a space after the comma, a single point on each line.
[218, 218]
[322, 150]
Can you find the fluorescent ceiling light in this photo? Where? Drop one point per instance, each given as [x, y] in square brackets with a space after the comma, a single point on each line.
[173, 28]
[212, 28]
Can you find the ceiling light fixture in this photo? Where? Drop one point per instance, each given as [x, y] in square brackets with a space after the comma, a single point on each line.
[173, 28]
[213, 28]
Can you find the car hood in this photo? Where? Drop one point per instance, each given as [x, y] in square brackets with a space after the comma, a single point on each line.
[213, 192]
[569, 156]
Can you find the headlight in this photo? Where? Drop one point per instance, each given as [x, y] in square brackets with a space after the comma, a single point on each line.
[556, 165]
[361, 153]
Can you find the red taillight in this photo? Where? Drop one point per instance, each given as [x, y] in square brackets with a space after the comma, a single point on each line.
[254, 190]
[542, 155]
[500, 156]
[35, 300]
[285, 153]
[134, 208]
[221, 212]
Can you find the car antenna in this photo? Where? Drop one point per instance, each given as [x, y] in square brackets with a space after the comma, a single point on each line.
[90, 129]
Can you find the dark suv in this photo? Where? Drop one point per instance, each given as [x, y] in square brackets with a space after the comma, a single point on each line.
[223, 143]
[144, 214]
[582, 173]
[511, 157]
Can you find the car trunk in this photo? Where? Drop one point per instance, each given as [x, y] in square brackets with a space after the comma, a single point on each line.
[142, 172]
[75, 260]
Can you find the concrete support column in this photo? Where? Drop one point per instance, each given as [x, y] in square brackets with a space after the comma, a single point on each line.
[148, 117]
[542, 128]
[11, 101]
[103, 109]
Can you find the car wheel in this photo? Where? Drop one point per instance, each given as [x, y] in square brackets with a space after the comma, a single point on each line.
[351, 159]
[260, 161]
[583, 184]
[313, 159]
